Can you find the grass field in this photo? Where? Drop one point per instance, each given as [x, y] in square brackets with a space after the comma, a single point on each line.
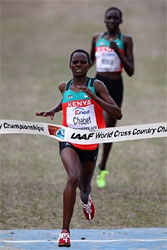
[37, 39]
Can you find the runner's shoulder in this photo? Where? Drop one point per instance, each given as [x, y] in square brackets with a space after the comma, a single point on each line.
[127, 38]
[62, 86]
[96, 36]
[98, 85]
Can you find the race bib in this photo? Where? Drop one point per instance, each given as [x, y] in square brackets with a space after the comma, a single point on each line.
[81, 117]
[107, 60]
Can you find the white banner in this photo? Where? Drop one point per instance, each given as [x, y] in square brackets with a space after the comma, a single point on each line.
[78, 136]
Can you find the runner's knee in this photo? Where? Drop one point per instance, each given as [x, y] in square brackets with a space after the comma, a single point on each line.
[73, 180]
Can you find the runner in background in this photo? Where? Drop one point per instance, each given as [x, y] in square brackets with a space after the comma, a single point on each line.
[83, 102]
[111, 51]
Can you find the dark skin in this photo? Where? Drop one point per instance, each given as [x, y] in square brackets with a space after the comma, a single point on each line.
[80, 173]
[112, 21]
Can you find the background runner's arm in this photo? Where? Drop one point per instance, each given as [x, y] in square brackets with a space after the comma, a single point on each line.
[92, 50]
[127, 60]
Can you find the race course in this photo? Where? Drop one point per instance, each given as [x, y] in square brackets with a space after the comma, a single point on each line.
[120, 239]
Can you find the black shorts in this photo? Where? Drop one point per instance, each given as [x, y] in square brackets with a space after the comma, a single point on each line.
[84, 155]
[114, 86]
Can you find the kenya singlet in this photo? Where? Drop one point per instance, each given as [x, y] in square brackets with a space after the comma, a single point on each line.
[107, 59]
[81, 112]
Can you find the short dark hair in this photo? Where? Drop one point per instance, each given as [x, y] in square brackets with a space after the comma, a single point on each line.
[80, 51]
[114, 8]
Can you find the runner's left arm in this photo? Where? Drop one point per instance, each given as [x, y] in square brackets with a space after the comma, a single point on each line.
[92, 50]
[104, 99]
[127, 60]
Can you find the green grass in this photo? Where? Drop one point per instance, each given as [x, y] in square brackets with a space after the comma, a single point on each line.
[36, 42]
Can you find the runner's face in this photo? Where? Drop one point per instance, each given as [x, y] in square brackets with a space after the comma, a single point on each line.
[79, 64]
[112, 20]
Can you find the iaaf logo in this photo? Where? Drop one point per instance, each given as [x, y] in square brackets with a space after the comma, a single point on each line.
[56, 131]
[81, 111]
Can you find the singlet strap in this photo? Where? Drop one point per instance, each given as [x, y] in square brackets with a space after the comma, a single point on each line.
[102, 35]
[87, 82]
[68, 84]
[90, 82]
[121, 37]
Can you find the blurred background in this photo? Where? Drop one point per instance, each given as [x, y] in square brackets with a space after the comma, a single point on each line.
[37, 38]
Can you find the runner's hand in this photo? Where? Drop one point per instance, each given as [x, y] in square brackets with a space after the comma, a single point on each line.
[46, 114]
[113, 46]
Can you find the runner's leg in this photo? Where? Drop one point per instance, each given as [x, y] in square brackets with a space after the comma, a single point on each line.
[86, 174]
[71, 163]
